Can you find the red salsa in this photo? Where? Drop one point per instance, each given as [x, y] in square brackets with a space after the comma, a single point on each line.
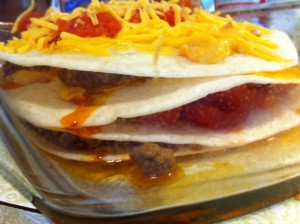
[25, 21]
[83, 26]
[221, 110]
[168, 16]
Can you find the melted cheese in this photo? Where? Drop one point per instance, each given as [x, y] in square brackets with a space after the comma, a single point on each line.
[292, 73]
[147, 36]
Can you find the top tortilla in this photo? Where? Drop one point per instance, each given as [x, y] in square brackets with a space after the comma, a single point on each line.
[142, 64]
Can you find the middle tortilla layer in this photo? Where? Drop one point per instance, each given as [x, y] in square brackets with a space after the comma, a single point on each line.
[41, 105]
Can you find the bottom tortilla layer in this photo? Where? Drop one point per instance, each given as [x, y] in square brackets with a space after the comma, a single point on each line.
[72, 147]
[211, 174]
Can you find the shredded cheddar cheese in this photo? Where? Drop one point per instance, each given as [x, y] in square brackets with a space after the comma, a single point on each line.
[1, 46]
[153, 34]
[158, 47]
[43, 23]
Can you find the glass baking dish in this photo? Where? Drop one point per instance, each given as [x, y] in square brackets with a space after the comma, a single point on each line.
[207, 184]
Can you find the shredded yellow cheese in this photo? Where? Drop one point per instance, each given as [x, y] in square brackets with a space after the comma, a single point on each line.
[44, 23]
[177, 14]
[152, 35]
[2, 46]
[93, 17]
[158, 47]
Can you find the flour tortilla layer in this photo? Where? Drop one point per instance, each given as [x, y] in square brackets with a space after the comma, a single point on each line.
[141, 64]
[188, 140]
[41, 105]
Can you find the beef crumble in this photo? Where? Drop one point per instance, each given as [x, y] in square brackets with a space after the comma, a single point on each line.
[63, 139]
[153, 159]
[91, 81]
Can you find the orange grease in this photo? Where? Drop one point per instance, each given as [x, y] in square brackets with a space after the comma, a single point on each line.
[136, 176]
[85, 131]
[78, 117]
[7, 85]
[298, 110]
[285, 74]
[75, 119]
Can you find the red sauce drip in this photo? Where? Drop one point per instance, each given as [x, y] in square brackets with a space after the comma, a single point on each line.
[78, 117]
[88, 104]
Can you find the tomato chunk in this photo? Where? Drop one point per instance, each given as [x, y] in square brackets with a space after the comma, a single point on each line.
[136, 17]
[83, 26]
[221, 110]
[268, 95]
[168, 16]
[25, 21]
[186, 3]
[163, 119]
